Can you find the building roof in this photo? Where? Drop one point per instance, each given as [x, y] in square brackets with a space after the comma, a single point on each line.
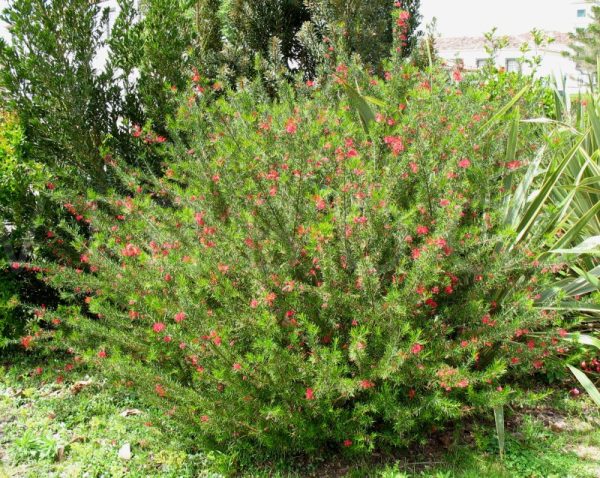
[514, 41]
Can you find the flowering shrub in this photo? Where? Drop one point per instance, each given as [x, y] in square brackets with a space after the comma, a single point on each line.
[297, 279]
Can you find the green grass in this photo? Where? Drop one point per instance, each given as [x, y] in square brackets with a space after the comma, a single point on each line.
[48, 430]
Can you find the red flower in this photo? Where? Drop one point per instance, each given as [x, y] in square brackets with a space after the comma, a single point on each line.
[26, 341]
[422, 230]
[365, 384]
[416, 348]
[395, 143]
[347, 443]
[291, 126]
[102, 354]
[270, 298]
[159, 327]
[431, 303]
[237, 367]
[179, 316]
[464, 163]
[131, 251]
[310, 394]
[574, 392]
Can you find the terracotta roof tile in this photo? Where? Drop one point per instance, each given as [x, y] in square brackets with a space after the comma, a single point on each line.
[561, 40]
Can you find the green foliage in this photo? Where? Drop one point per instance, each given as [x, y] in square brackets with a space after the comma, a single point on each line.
[61, 421]
[370, 255]
[20, 177]
[10, 325]
[86, 430]
[294, 282]
[20, 180]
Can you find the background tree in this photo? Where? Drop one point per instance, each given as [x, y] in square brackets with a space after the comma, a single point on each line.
[426, 49]
[585, 43]
[248, 28]
[65, 106]
[167, 32]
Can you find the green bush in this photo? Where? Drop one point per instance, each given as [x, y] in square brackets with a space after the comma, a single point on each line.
[299, 279]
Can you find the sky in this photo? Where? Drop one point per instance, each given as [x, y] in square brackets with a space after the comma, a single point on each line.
[456, 17]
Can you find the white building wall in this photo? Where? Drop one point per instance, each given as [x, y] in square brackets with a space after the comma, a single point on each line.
[472, 18]
[554, 64]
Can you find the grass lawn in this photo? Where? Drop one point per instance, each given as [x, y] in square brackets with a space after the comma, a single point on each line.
[79, 427]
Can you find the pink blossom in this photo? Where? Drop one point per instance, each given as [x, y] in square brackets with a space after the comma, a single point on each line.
[131, 251]
[395, 143]
[179, 316]
[291, 126]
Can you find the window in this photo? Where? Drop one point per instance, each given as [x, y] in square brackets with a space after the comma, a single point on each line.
[481, 62]
[513, 65]
[581, 13]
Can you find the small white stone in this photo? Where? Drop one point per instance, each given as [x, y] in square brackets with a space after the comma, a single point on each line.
[125, 452]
